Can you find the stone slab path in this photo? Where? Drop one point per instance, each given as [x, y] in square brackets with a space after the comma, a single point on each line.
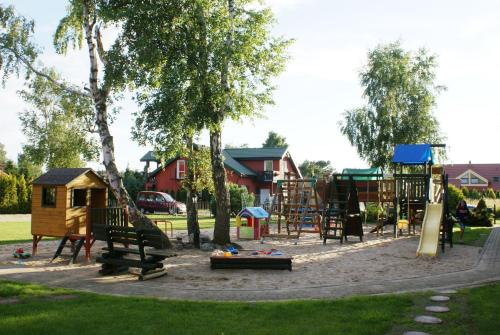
[486, 270]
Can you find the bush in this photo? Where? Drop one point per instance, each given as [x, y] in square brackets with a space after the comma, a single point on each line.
[465, 191]
[181, 195]
[481, 216]
[490, 194]
[22, 196]
[8, 194]
[474, 194]
[373, 211]
[454, 197]
[239, 198]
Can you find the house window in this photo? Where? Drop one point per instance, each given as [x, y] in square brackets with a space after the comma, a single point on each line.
[470, 178]
[495, 179]
[268, 165]
[49, 197]
[181, 169]
[78, 197]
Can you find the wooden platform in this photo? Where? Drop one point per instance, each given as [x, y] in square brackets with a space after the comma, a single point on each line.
[251, 262]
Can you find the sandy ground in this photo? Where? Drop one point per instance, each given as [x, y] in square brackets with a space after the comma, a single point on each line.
[375, 259]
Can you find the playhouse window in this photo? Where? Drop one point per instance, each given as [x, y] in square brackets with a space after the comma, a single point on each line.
[49, 197]
[79, 197]
[181, 169]
[268, 165]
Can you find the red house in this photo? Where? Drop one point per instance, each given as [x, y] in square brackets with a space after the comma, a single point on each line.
[258, 169]
[478, 176]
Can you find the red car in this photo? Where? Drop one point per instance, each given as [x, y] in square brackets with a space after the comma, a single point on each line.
[151, 201]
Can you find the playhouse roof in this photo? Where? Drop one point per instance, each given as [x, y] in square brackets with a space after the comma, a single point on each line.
[413, 154]
[256, 212]
[369, 171]
[62, 176]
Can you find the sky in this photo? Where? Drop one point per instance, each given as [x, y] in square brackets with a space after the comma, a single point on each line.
[321, 81]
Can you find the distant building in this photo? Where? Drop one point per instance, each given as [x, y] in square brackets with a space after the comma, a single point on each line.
[258, 169]
[477, 176]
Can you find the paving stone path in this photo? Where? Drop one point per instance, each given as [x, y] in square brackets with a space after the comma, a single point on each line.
[487, 270]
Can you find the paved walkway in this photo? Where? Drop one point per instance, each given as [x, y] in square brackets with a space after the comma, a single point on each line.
[486, 270]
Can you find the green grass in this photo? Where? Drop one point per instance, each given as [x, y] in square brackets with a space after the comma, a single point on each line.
[19, 232]
[15, 232]
[473, 311]
[474, 236]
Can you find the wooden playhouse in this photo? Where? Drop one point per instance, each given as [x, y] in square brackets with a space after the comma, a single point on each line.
[63, 202]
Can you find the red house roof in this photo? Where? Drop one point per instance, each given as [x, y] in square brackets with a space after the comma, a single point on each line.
[490, 172]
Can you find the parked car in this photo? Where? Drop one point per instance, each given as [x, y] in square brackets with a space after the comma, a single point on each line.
[151, 202]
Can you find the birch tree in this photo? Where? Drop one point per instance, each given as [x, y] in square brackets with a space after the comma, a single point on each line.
[82, 23]
[205, 61]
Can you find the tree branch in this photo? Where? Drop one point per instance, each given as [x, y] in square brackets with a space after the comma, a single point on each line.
[31, 68]
[100, 48]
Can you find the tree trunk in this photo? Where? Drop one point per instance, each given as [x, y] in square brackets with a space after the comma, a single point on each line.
[100, 96]
[192, 212]
[222, 217]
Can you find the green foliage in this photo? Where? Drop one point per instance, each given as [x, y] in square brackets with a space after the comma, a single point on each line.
[490, 194]
[58, 128]
[200, 168]
[181, 195]
[316, 168]
[481, 215]
[16, 47]
[401, 94]
[474, 194]
[133, 182]
[274, 140]
[3, 156]
[70, 32]
[27, 168]
[23, 196]
[239, 197]
[8, 193]
[454, 196]
[465, 191]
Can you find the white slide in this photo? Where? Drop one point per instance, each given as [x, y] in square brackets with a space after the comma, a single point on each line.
[429, 236]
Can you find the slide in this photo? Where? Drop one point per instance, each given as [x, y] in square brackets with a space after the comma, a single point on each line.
[429, 237]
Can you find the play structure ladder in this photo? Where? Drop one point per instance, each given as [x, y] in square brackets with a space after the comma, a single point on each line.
[79, 239]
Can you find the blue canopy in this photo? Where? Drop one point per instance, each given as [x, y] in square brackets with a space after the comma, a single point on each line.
[255, 212]
[413, 154]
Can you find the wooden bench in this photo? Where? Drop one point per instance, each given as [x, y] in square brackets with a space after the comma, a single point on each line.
[149, 243]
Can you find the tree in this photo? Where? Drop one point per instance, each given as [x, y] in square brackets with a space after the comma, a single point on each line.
[8, 193]
[133, 182]
[27, 168]
[274, 140]
[17, 51]
[216, 64]
[316, 168]
[22, 195]
[401, 94]
[455, 195]
[59, 127]
[3, 156]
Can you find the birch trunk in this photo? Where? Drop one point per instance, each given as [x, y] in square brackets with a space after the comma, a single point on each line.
[100, 96]
[222, 215]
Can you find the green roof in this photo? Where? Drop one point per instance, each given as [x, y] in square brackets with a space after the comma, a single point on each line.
[369, 171]
[255, 153]
[236, 166]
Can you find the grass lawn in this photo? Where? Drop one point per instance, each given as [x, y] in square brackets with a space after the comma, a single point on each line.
[473, 311]
[475, 236]
[17, 232]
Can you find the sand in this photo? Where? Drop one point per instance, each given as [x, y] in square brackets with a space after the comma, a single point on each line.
[380, 258]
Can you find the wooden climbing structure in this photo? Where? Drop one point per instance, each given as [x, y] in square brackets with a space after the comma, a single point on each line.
[341, 213]
[296, 206]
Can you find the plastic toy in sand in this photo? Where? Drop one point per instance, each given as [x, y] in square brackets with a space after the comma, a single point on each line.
[19, 253]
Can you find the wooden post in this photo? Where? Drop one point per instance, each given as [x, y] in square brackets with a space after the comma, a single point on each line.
[88, 234]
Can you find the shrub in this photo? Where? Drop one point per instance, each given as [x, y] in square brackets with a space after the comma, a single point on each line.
[8, 194]
[239, 197]
[181, 195]
[481, 215]
[22, 196]
[465, 191]
[490, 194]
[474, 194]
[373, 211]
[454, 197]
